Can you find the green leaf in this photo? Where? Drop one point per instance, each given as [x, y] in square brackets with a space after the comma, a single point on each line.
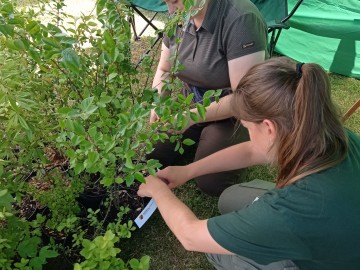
[188, 4]
[119, 180]
[29, 247]
[86, 103]
[188, 142]
[78, 168]
[129, 180]
[111, 76]
[10, 44]
[51, 42]
[33, 27]
[189, 99]
[68, 40]
[5, 199]
[194, 116]
[78, 128]
[77, 266]
[7, 8]
[100, 5]
[145, 262]
[93, 157]
[109, 41]
[201, 110]
[107, 181]
[138, 176]
[128, 163]
[70, 153]
[50, 54]
[34, 55]
[69, 124]
[19, 44]
[23, 123]
[209, 94]
[71, 60]
[46, 253]
[134, 263]
[177, 146]
[7, 30]
[36, 263]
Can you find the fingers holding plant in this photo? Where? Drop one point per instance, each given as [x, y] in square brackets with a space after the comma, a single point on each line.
[174, 176]
[151, 186]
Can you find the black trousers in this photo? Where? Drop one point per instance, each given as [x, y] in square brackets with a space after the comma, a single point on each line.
[210, 138]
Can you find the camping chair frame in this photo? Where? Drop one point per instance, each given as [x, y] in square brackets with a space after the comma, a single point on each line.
[276, 25]
[159, 7]
[353, 108]
[148, 21]
[275, 34]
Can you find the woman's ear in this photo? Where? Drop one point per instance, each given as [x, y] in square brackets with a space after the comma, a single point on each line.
[270, 129]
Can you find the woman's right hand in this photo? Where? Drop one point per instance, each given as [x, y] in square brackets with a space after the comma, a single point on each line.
[174, 176]
[153, 117]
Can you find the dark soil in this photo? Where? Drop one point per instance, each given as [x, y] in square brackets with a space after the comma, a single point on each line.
[28, 208]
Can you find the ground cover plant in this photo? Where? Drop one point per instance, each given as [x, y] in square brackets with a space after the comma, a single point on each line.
[76, 132]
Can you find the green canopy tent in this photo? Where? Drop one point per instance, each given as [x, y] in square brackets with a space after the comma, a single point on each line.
[326, 32]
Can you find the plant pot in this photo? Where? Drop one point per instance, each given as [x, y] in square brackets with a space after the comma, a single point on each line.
[92, 198]
[119, 196]
[59, 263]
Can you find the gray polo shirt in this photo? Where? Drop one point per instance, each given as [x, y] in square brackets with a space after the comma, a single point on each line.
[231, 29]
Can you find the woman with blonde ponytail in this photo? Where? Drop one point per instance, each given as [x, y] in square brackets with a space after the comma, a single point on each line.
[309, 218]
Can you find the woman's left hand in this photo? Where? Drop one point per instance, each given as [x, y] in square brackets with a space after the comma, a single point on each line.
[151, 186]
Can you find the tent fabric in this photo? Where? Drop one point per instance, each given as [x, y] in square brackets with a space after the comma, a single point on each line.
[273, 10]
[326, 32]
[150, 5]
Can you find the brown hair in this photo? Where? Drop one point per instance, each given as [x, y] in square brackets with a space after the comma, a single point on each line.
[310, 136]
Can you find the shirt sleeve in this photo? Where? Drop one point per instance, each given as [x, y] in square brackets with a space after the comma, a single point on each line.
[257, 232]
[245, 35]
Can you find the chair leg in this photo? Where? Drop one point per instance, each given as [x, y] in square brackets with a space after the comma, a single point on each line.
[145, 19]
[271, 45]
[146, 26]
[159, 37]
[353, 108]
[276, 39]
[133, 26]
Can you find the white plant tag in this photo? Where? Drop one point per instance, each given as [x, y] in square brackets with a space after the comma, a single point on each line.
[146, 213]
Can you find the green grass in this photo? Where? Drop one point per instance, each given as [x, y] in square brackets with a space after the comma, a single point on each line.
[157, 241]
[345, 92]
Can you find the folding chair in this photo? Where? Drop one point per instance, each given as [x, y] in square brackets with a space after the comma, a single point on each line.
[154, 6]
[277, 17]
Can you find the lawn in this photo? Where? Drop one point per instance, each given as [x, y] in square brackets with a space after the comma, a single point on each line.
[157, 241]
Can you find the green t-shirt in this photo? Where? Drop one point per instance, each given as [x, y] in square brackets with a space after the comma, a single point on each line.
[314, 222]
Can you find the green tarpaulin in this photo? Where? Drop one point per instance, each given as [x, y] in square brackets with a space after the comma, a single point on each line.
[326, 32]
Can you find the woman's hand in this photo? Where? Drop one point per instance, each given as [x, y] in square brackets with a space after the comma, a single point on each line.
[151, 186]
[153, 117]
[174, 176]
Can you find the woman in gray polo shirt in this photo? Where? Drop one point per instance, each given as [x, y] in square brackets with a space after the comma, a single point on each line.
[224, 39]
[311, 219]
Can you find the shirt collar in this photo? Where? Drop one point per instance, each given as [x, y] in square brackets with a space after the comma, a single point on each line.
[212, 15]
